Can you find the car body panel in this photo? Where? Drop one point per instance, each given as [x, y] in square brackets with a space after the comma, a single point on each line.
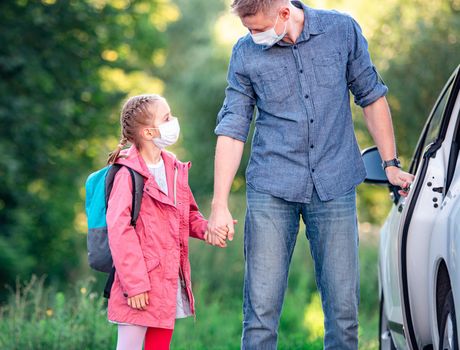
[422, 232]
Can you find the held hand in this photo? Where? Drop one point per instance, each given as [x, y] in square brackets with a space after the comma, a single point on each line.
[221, 219]
[139, 301]
[218, 236]
[400, 178]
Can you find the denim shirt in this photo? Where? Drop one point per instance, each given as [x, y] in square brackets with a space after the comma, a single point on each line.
[304, 133]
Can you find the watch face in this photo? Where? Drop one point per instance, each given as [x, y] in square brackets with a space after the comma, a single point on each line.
[393, 162]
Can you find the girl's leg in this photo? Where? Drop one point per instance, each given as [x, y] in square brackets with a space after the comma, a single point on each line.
[158, 339]
[130, 337]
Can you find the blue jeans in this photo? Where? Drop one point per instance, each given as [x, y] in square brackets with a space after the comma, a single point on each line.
[271, 229]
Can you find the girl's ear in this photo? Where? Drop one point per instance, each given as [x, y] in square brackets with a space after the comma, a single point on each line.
[149, 133]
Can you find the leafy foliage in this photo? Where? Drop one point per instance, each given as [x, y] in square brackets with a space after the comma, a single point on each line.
[55, 113]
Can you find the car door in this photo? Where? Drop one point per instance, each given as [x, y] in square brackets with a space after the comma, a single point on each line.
[418, 216]
[391, 243]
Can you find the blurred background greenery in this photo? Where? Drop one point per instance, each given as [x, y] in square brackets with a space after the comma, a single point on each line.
[67, 65]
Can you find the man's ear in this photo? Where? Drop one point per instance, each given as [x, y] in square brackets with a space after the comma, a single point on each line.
[285, 13]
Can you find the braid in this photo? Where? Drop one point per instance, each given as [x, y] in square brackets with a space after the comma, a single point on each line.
[133, 114]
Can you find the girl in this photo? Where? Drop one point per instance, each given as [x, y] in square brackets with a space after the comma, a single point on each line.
[152, 284]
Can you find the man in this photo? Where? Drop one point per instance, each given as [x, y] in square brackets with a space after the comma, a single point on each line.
[297, 66]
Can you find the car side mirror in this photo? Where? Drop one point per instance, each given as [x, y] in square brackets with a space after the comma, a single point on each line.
[373, 165]
[376, 174]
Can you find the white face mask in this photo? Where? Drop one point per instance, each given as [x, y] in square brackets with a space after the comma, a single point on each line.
[169, 133]
[269, 37]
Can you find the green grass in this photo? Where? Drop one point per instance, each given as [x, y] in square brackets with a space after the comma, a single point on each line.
[38, 317]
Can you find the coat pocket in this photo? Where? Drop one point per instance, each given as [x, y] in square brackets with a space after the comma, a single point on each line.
[152, 263]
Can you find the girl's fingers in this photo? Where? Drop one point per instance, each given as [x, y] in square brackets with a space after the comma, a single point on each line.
[208, 237]
[221, 233]
[221, 242]
[129, 302]
[147, 298]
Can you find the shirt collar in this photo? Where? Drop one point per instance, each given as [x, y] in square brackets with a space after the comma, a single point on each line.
[311, 25]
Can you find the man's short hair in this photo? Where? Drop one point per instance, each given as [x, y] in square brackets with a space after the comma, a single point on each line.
[245, 8]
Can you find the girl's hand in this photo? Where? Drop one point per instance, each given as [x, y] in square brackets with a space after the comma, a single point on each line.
[139, 301]
[218, 236]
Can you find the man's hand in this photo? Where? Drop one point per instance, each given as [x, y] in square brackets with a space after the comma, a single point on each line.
[400, 178]
[139, 301]
[218, 237]
[221, 218]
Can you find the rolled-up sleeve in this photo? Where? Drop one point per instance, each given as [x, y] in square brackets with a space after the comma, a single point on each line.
[234, 118]
[362, 77]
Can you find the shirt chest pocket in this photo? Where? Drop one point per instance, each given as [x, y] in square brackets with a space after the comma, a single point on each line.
[274, 84]
[327, 69]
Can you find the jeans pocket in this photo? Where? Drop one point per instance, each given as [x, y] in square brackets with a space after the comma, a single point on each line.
[327, 70]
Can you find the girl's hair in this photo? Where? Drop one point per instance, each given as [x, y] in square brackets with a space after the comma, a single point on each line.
[133, 115]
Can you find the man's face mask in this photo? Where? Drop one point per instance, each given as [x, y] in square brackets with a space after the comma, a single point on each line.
[269, 37]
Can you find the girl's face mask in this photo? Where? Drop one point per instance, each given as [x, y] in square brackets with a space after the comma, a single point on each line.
[169, 133]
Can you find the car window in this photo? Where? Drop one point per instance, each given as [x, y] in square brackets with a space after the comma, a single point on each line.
[431, 131]
[435, 123]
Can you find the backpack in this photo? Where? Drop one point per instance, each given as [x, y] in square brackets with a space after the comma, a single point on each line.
[98, 187]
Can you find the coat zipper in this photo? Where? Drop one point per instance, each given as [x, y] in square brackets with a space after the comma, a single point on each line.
[175, 186]
[181, 273]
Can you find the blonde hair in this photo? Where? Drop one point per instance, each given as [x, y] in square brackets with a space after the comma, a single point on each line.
[245, 8]
[134, 114]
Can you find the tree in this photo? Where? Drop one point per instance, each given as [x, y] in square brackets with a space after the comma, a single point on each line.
[65, 66]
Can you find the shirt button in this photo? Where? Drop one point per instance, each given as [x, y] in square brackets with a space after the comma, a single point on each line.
[311, 146]
[311, 120]
[306, 96]
[312, 170]
[295, 47]
[301, 71]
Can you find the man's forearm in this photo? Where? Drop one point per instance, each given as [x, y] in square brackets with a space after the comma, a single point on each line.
[378, 121]
[228, 158]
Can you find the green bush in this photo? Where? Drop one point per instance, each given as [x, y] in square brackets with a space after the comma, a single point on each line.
[38, 317]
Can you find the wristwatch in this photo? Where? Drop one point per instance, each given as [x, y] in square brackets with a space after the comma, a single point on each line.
[392, 162]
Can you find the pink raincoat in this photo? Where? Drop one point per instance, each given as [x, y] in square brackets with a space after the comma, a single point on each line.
[151, 257]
